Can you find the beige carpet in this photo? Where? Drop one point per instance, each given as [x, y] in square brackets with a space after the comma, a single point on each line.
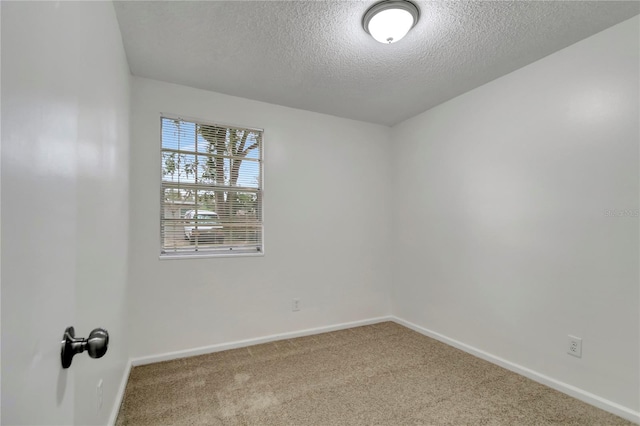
[382, 374]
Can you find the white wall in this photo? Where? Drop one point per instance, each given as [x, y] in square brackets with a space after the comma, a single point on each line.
[65, 150]
[502, 241]
[326, 219]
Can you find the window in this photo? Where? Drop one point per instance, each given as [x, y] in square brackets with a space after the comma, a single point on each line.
[211, 200]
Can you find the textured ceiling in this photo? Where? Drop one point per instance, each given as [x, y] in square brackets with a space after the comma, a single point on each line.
[314, 55]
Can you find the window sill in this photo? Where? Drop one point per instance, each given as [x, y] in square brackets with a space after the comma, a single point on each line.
[207, 255]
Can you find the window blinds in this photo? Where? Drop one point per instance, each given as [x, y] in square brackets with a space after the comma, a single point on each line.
[211, 196]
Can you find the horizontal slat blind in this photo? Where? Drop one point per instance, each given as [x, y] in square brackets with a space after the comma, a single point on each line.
[211, 197]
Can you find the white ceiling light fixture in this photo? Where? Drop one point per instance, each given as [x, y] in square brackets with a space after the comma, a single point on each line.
[389, 21]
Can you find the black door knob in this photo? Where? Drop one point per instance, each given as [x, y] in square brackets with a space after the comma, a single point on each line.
[95, 345]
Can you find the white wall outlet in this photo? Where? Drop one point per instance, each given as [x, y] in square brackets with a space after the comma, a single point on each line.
[295, 305]
[575, 346]
[99, 395]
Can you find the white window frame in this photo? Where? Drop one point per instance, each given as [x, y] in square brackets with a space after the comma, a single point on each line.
[217, 252]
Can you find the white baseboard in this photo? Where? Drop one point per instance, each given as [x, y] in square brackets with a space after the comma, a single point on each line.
[255, 341]
[570, 390]
[120, 394]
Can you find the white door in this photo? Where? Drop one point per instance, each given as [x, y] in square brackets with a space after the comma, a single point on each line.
[38, 236]
[64, 200]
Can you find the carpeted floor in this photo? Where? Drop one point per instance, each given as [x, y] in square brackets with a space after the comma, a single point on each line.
[382, 374]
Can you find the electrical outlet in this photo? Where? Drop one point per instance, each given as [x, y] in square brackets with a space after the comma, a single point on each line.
[575, 346]
[99, 395]
[295, 305]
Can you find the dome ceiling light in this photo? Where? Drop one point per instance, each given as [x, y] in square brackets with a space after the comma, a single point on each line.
[389, 21]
